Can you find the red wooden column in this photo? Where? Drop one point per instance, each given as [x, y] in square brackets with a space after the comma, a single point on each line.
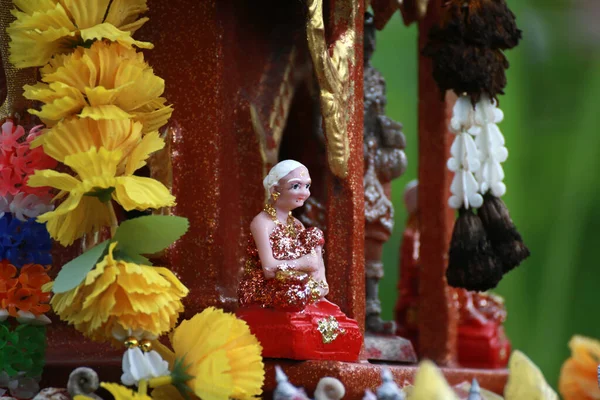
[437, 314]
[345, 204]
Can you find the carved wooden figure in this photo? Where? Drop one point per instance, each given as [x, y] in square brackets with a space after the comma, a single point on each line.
[385, 160]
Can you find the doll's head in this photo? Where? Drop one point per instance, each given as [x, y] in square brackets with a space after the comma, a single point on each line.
[288, 185]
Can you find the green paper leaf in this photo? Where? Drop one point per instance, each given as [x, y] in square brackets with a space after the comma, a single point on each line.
[120, 254]
[74, 272]
[149, 234]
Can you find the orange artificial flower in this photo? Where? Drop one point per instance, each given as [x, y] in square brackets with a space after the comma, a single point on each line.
[7, 278]
[34, 276]
[24, 299]
[579, 374]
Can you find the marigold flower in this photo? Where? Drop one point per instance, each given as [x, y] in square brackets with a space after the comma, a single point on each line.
[78, 135]
[106, 81]
[119, 295]
[86, 207]
[222, 355]
[44, 28]
[578, 376]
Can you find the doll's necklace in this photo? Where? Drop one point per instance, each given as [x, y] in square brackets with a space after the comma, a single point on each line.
[289, 227]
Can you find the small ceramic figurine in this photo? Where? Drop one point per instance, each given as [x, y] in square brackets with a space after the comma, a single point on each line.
[282, 291]
[285, 267]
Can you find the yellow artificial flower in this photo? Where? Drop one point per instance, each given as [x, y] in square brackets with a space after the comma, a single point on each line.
[78, 135]
[430, 384]
[118, 295]
[86, 207]
[106, 81]
[578, 375]
[222, 355]
[123, 393]
[526, 381]
[44, 28]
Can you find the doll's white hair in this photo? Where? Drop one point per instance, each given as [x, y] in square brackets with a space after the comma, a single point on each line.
[280, 170]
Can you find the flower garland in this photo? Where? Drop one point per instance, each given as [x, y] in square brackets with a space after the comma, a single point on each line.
[102, 106]
[24, 261]
[467, 54]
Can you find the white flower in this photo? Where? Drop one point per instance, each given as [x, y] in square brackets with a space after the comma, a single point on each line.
[26, 317]
[463, 115]
[492, 151]
[3, 315]
[28, 206]
[138, 366]
[5, 204]
[465, 158]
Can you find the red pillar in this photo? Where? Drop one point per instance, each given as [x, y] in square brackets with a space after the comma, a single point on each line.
[437, 314]
[345, 205]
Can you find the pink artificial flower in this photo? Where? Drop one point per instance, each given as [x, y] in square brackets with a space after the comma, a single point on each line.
[18, 160]
[9, 182]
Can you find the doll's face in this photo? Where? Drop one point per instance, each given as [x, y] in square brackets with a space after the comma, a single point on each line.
[294, 189]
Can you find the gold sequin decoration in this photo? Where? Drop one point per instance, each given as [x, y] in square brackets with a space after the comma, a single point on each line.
[146, 345]
[330, 329]
[131, 342]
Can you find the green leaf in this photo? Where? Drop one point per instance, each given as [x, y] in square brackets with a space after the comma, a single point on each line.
[74, 272]
[120, 254]
[150, 234]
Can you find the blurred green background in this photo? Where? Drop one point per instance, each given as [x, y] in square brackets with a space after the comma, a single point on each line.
[551, 125]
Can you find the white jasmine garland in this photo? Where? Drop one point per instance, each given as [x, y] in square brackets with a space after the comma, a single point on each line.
[139, 365]
[465, 160]
[490, 143]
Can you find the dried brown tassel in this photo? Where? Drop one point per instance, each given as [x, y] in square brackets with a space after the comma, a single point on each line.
[466, 48]
[487, 23]
[472, 263]
[468, 69]
[502, 232]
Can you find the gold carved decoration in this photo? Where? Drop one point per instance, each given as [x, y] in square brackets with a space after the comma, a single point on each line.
[330, 329]
[15, 78]
[332, 71]
[269, 113]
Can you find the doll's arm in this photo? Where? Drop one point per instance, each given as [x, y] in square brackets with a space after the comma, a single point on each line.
[260, 229]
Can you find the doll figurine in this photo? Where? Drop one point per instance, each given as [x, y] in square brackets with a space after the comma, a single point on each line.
[284, 269]
[283, 288]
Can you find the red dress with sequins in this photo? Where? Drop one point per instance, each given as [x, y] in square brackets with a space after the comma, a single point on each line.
[286, 292]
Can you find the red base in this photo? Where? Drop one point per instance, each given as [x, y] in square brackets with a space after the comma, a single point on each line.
[357, 377]
[294, 335]
[483, 346]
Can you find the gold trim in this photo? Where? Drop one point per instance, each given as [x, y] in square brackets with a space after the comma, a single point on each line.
[333, 77]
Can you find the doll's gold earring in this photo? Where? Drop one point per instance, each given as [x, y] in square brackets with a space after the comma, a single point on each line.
[275, 196]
